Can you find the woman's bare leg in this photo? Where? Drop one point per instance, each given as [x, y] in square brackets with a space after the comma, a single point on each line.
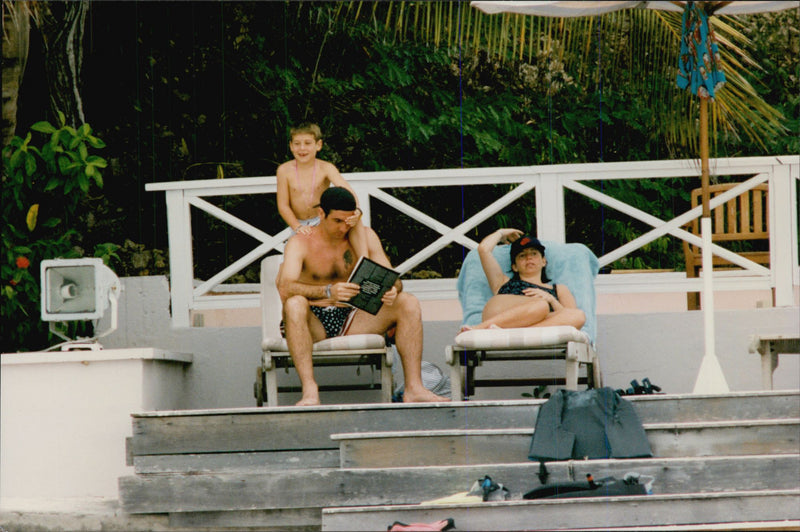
[566, 316]
[510, 311]
[513, 311]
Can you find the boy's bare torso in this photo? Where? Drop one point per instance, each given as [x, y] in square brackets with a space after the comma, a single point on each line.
[306, 185]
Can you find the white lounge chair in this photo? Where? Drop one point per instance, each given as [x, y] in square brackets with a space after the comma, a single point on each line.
[353, 350]
[571, 264]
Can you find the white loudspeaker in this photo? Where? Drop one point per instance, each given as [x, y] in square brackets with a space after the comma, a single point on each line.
[77, 289]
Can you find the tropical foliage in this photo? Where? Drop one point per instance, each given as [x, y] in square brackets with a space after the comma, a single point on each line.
[45, 187]
[641, 42]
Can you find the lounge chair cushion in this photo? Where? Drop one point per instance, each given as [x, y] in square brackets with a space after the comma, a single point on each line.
[520, 338]
[354, 342]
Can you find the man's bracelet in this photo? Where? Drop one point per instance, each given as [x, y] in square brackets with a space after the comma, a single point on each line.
[328, 292]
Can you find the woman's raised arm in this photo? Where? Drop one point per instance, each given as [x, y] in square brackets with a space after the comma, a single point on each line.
[494, 273]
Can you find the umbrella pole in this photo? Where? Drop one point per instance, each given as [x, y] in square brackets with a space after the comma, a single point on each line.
[710, 378]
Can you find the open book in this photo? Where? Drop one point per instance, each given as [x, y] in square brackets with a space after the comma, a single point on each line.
[375, 280]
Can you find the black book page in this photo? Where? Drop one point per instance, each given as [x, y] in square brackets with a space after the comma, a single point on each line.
[375, 280]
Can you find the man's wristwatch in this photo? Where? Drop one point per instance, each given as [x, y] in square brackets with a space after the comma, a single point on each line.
[328, 292]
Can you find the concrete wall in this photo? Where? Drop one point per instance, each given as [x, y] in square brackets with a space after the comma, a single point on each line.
[223, 368]
[65, 417]
[667, 347]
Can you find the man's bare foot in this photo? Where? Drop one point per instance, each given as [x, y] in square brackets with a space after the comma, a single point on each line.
[310, 396]
[423, 396]
[308, 401]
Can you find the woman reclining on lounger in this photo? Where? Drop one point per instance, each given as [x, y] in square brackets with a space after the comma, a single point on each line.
[526, 299]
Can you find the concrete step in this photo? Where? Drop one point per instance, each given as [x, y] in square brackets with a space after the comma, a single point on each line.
[596, 513]
[309, 428]
[317, 488]
[483, 446]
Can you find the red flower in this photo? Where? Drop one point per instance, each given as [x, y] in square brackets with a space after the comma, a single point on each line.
[23, 262]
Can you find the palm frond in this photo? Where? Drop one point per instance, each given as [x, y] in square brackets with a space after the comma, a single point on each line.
[643, 41]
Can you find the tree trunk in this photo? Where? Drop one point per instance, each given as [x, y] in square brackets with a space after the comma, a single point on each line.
[16, 37]
[62, 27]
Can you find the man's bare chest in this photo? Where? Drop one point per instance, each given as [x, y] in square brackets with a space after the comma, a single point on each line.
[325, 266]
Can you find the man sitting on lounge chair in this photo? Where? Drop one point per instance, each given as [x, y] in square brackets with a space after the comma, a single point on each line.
[314, 283]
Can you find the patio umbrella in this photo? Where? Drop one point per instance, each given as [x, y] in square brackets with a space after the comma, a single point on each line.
[698, 71]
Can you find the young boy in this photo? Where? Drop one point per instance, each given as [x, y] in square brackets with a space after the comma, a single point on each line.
[302, 181]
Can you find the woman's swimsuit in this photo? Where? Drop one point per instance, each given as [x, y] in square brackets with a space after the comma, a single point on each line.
[516, 286]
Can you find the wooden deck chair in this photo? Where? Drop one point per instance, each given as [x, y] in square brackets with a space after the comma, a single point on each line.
[571, 264]
[353, 350]
[743, 218]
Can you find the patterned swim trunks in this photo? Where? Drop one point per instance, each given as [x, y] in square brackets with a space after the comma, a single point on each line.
[336, 320]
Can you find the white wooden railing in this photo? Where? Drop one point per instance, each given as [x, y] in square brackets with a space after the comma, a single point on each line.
[548, 183]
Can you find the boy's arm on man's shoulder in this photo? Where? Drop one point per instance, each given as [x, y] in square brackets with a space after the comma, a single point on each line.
[334, 175]
[336, 179]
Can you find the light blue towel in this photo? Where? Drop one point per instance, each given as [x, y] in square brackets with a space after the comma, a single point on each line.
[571, 264]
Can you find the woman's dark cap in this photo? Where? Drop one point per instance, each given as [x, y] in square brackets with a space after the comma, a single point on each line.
[524, 242]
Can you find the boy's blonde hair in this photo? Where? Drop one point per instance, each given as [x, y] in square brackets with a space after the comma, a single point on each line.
[306, 128]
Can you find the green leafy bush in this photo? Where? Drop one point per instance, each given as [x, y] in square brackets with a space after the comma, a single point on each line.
[43, 190]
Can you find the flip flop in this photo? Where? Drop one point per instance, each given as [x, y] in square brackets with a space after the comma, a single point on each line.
[444, 524]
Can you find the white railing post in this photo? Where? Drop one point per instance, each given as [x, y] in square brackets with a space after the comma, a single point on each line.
[181, 262]
[782, 233]
[550, 221]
